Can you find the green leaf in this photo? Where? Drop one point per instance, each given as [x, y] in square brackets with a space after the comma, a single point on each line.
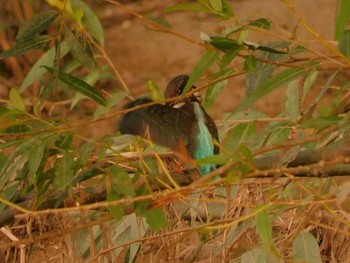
[342, 18]
[17, 129]
[91, 78]
[219, 159]
[47, 59]
[79, 85]
[272, 84]
[19, 154]
[241, 133]
[212, 93]
[80, 47]
[264, 70]
[261, 22]
[264, 228]
[90, 20]
[321, 122]
[156, 218]
[117, 211]
[250, 63]
[204, 63]
[35, 157]
[308, 113]
[344, 45]
[225, 44]
[255, 46]
[305, 248]
[65, 142]
[292, 101]
[309, 82]
[63, 170]
[36, 25]
[20, 48]
[16, 100]
[121, 182]
[228, 57]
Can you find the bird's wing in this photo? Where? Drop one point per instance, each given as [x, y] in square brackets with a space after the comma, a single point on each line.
[163, 124]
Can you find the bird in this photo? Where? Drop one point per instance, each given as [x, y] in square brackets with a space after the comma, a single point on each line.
[183, 125]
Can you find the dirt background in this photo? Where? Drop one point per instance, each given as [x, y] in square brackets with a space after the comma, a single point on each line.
[141, 55]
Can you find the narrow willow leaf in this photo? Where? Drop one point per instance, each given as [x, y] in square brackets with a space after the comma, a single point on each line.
[305, 248]
[344, 45]
[215, 159]
[264, 228]
[156, 218]
[225, 44]
[272, 84]
[64, 142]
[261, 22]
[309, 82]
[255, 46]
[292, 101]
[91, 78]
[16, 100]
[36, 25]
[321, 122]
[8, 193]
[250, 63]
[342, 18]
[308, 113]
[228, 57]
[63, 170]
[80, 47]
[10, 143]
[47, 59]
[35, 157]
[264, 70]
[212, 93]
[21, 151]
[242, 133]
[17, 129]
[90, 20]
[79, 85]
[18, 49]
[204, 63]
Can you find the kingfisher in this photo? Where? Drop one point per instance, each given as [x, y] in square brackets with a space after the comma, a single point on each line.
[183, 126]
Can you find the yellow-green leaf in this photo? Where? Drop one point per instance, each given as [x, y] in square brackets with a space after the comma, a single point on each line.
[16, 100]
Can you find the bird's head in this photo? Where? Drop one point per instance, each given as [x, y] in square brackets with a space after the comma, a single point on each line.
[175, 88]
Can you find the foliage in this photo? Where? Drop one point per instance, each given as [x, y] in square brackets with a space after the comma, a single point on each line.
[44, 156]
